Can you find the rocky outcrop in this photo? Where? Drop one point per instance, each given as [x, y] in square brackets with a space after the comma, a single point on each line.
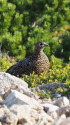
[20, 106]
[9, 82]
[51, 86]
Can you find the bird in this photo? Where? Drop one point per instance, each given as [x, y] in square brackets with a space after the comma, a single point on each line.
[38, 62]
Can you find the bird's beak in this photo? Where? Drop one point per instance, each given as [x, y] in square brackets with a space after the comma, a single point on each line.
[46, 45]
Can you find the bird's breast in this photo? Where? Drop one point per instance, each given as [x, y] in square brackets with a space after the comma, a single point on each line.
[41, 64]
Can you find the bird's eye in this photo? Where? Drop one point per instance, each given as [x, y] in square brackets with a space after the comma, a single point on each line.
[40, 44]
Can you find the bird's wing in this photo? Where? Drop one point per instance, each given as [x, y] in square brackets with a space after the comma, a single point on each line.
[22, 67]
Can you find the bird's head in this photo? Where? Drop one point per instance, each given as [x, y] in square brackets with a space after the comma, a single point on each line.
[40, 46]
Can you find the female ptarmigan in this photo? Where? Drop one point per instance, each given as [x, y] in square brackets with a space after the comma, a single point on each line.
[37, 62]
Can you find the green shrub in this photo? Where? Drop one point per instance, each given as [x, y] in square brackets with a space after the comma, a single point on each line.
[63, 49]
[23, 23]
[44, 94]
[5, 62]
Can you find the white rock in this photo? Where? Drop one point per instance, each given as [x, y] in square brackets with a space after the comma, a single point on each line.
[16, 97]
[32, 116]
[1, 92]
[26, 109]
[6, 116]
[0, 123]
[49, 107]
[64, 110]
[62, 121]
[9, 82]
[62, 101]
[54, 115]
[63, 116]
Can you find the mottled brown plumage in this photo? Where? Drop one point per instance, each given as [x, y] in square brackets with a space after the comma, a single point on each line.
[37, 62]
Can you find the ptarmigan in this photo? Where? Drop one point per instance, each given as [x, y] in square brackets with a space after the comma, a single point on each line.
[37, 62]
